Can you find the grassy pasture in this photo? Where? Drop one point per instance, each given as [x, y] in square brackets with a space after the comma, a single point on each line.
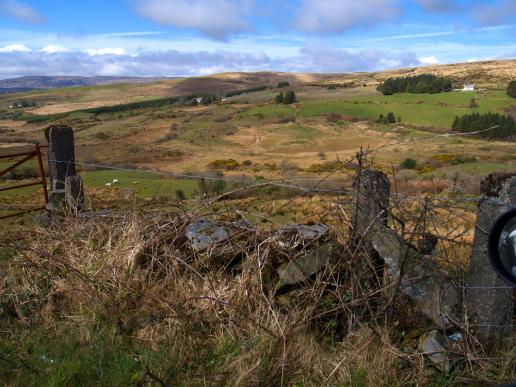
[438, 110]
[143, 184]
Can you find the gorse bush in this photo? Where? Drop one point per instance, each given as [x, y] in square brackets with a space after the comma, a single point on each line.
[227, 164]
[506, 127]
[424, 83]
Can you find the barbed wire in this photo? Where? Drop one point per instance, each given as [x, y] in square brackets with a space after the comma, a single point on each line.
[280, 183]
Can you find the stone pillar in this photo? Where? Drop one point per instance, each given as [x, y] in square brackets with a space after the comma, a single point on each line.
[371, 192]
[489, 301]
[61, 163]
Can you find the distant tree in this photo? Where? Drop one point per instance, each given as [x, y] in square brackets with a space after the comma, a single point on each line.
[408, 163]
[283, 84]
[391, 118]
[381, 119]
[424, 83]
[511, 89]
[473, 103]
[290, 97]
[505, 125]
[279, 98]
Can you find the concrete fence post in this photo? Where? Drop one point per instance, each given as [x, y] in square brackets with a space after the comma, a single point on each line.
[488, 298]
[61, 165]
[370, 212]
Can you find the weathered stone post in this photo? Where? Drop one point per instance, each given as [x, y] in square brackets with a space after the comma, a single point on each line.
[61, 165]
[370, 211]
[489, 302]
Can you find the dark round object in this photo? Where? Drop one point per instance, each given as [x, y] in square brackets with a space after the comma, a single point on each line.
[502, 247]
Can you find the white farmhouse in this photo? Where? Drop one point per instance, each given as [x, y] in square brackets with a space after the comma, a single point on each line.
[199, 99]
[468, 87]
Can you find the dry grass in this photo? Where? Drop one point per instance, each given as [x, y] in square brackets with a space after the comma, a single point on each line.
[212, 322]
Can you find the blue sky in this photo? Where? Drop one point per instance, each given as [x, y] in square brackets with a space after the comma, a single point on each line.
[198, 37]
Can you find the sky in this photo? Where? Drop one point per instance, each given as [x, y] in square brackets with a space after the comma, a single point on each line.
[200, 37]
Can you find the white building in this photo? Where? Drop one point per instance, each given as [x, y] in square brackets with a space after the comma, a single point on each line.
[199, 99]
[468, 87]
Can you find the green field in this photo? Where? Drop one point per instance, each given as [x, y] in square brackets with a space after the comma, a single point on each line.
[437, 110]
[143, 184]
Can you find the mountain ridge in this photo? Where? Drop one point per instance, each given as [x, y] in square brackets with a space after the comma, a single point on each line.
[43, 82]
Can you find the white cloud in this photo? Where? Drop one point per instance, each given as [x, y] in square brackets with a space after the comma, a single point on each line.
[106, 51]
[314, 57]
[214, 18]
[428, 60]
[332, 16]
[15, 48]
[52, 49]
[20, 11]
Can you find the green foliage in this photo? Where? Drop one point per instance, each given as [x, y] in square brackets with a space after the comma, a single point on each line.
[506, 127]
[244, 91]
[290, 97]
[511, 89]
[424, 83]
[389, 119]
[180, 194]
[473, 103]
[287, 98]
[408, 163]
[210, 187]
[283, 84]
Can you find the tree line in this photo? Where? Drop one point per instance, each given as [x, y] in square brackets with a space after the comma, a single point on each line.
[505, 125]
[418, 84]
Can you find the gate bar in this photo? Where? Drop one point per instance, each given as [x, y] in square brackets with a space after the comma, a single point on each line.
[18, 163]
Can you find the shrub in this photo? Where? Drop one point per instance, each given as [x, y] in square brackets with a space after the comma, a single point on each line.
[473, 103]
[227, 164]
[279, 98]
[391, 118]
[290, 97]
[283, 84]
[511, 89]
[180, 194]
[408, 163]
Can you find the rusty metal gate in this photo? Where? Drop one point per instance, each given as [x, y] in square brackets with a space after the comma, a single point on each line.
[26, 156]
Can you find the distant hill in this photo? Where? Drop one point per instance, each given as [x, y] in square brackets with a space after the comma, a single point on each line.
[41, 82]
[486, 74]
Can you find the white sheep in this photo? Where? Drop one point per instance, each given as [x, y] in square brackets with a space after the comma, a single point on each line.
[108, 184]
[115, 181]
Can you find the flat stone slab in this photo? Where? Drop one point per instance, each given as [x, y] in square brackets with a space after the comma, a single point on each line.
[204, 234]
[302, 268]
